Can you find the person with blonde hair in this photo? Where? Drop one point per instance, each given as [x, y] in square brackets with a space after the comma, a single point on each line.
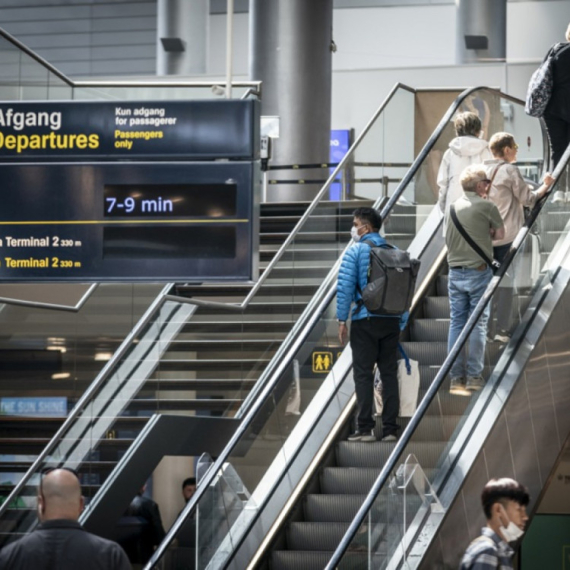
[511, 194]
[465, 149]
[557, 113]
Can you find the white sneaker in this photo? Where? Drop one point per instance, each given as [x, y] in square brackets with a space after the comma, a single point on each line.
[559, 197]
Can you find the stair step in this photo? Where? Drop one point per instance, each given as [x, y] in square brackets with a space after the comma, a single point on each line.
[358, 454]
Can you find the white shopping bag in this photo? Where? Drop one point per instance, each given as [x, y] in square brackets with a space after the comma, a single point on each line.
[378, 402]
[408, 386]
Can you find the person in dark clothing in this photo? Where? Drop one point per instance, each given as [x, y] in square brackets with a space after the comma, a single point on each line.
[373, 338]
[557, 113]
[188, 488]
[504, 503]
[60, 541]
[153, 532]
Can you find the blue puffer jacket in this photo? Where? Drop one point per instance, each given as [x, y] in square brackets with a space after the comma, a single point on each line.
[355, 265]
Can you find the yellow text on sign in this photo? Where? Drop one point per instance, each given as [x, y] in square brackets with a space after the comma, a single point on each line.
[322, 362]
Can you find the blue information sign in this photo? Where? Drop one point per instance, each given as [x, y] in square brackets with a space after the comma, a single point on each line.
[42, 407]
[340, 143]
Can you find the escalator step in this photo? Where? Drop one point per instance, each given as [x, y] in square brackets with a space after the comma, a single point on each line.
[429, 353]
[441, 285]
[347, 480]
[307, 560]
[315, 535]
[332, 508]
[435, 353]
[434, 428]
[428, 330]
[436, 307]
[358, 454]
[446, 403]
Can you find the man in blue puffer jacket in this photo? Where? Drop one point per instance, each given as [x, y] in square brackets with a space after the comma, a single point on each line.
[373, 338]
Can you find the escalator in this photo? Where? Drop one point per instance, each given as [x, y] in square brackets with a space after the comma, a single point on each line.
[317, 481]
[516, 427]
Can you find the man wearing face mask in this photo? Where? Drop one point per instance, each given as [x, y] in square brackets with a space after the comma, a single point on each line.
[373, 338]
[59, 541]
[504, 504]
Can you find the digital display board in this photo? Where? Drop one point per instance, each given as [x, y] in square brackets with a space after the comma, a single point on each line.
[117, 221]
[111, 191]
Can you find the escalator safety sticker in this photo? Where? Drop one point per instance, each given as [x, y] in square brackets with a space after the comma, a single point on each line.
[322, 362]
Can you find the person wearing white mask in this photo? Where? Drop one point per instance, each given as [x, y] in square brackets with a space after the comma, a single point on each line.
[373, 338]
[504, 504]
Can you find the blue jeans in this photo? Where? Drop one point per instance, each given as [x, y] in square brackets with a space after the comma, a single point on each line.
[466, 287]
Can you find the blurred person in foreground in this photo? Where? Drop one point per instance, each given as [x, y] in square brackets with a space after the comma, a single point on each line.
[504, 503]
[59, 542]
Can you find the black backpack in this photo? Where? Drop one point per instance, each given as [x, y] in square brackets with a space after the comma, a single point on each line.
[392, 275]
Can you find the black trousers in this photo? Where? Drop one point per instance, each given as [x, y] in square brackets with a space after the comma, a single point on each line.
[502, 303]
[559, 136]
[375, 340]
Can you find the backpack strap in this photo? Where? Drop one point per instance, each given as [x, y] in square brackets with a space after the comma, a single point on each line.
[491, 263]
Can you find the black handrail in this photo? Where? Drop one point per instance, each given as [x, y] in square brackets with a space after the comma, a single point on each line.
[10, 38]
[265, 392]
[404, 440]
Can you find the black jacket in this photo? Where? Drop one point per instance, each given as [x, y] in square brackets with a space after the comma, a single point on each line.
[63, 545]
[559, 104]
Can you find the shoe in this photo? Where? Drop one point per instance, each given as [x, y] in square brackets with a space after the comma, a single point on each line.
[364, 436]
[475, 383]
[502, 336]
[457, 387]
[390, 437]
[559, 197]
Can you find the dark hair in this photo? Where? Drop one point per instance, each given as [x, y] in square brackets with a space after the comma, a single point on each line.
[369, 216]
[189, 481]
[500, 490]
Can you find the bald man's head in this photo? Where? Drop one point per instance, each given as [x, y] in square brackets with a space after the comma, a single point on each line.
[59, 496]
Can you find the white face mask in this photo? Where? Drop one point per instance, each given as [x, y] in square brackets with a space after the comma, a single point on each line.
[354, 234]
[511, 532]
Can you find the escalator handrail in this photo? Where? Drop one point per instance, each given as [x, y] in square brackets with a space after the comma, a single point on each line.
[432, 391]
[321, 299]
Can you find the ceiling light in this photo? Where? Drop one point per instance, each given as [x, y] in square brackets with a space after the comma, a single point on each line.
[100, 356]
[60, 376]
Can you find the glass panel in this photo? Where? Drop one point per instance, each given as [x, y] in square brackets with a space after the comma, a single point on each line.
[48, 363]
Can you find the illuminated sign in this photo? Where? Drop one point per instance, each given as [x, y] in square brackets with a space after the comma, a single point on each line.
[129, 191]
